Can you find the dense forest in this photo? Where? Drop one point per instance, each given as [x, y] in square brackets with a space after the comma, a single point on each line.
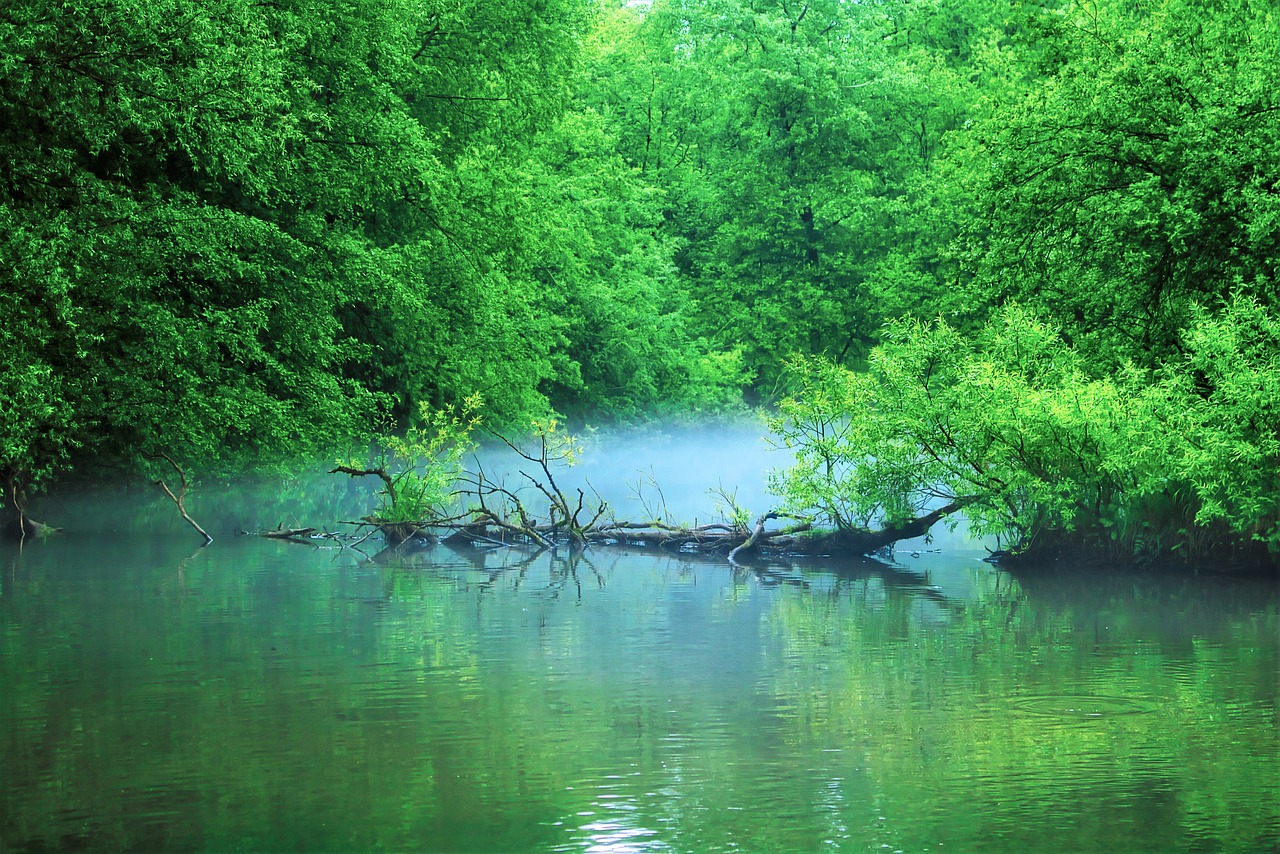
[1014, 257]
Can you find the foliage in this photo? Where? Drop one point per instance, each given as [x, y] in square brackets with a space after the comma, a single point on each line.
[227, 228]
[421, 470]
[1137, 180]
[788, 191]
[1011, 426]
[592, 238]
[237, 233]
[1221, 405]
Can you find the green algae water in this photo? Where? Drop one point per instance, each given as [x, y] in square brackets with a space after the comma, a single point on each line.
[266, 696]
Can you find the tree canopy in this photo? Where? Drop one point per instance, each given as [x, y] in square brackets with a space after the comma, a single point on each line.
[1020, 256]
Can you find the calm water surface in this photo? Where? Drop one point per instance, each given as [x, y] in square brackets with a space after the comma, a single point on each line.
[264, 696]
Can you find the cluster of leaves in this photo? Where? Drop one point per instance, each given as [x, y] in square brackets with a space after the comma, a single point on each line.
[796, 191]
[1221, 407]
[1010, 425]
[421, 470]
[1136, 181]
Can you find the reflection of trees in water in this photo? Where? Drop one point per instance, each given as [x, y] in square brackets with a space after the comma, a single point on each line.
[1172, 610]
[952, 711]
[934, 699]
[514, 567]
[834, 577]
[468, 682]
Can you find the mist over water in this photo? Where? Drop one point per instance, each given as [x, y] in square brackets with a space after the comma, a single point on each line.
[669, 471]
[263, 695]
[690, 470]
[679, 473]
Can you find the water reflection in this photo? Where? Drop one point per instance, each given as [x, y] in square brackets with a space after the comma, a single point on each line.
[266, 696]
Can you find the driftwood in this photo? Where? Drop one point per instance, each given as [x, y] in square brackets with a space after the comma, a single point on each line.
[181, 496]
[499, 515]
[295, 534]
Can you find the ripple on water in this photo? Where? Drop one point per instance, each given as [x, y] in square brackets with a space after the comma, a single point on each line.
[1084, 706]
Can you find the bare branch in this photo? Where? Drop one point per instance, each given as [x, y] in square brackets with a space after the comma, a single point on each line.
[181, 496]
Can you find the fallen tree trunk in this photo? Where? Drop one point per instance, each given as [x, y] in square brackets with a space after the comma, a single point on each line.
[487, 529]
[499, 515]
[800, 538]
[863, 541]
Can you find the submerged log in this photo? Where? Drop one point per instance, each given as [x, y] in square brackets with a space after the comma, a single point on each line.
[294, 534]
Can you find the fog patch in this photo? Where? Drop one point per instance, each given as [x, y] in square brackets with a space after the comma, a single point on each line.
[681, 474]
[667, 471]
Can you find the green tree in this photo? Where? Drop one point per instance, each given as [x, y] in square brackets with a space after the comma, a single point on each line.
[1010, 425]
[241, 230]
[160, 314]
[793, 144]
[1137, 181]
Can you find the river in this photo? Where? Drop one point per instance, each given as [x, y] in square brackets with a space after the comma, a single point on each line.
[258, 695]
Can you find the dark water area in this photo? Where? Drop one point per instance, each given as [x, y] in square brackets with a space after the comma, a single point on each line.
[266, 696]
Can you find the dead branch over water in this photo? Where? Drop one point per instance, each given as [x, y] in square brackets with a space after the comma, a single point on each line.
[500, 513]
[180, 498]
